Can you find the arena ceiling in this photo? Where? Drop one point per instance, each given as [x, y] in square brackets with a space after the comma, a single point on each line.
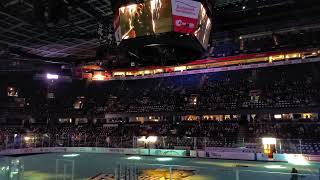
[23, 32]
[29, 28]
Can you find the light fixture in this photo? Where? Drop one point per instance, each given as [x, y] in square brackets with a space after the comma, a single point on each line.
[164, 159]
[277, 116]
[52, 76]
[275, 167]
[71, 155]
[134, 158]
[150, 139]
[98, 77]
[268, 140]
[27, 138]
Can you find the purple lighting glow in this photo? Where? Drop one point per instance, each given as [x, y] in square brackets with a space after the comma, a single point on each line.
[52, 76]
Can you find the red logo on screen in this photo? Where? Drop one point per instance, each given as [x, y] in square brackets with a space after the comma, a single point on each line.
[184, 24]
[179, 23]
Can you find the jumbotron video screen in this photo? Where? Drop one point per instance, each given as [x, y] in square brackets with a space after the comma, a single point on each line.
[154, 17]
[151, 17]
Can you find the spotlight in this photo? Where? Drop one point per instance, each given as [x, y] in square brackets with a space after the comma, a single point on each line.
[52, 76]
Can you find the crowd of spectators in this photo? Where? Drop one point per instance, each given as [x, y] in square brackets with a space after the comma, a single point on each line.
[291, 86]
[183, 134]
[286, 130]
[266, 41]
[123, 135]
[274, 87]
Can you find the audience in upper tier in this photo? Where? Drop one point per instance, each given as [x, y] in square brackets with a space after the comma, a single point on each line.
[276, 87]
[228, 46]
[292, 86]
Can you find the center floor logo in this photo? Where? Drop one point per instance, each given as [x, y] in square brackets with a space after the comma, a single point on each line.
[152, 174]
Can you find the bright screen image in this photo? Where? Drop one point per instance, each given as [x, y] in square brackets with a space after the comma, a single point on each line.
[204, 27]
[151, 17]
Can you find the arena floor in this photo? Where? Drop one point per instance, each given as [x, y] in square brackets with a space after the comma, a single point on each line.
[102, 167]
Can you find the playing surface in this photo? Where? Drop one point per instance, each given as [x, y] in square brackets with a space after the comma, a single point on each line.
[83, 166]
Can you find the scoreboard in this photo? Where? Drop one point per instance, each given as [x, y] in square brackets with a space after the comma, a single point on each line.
[157, 17]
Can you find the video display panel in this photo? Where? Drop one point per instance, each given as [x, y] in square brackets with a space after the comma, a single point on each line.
[161, 16]
[204, 27]
[150, 17]
[117, 29]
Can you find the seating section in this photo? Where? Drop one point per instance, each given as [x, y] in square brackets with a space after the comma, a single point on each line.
[293, 137]
[283, 87]
[274, 87]
[263, 42]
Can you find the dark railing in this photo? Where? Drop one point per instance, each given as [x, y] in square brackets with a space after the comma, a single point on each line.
[15, 141]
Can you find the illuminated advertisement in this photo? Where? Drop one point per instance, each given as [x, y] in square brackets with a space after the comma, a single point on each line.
[204, 27]
[150, 17]
[185, 14]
